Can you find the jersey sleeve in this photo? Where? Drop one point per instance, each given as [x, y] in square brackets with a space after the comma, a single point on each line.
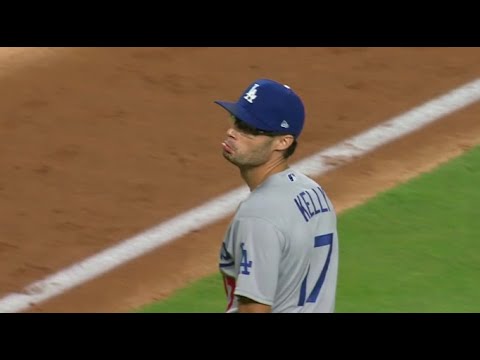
[260, 248]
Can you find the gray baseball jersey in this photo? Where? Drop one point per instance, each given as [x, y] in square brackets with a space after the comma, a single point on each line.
[281, 247]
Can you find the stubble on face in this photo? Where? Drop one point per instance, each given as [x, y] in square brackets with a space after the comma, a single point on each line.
[251, 154]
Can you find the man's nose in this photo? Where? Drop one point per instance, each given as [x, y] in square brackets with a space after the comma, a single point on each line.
[231, 132]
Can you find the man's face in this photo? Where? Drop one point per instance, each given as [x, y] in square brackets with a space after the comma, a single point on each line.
[245, 146]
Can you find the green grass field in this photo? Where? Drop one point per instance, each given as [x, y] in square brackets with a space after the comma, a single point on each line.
[415, 248]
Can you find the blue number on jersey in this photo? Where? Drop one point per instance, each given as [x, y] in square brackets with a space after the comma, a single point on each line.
[244, 262]
[322, 240]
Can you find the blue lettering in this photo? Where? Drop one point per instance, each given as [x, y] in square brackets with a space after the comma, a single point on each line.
[245, 263]
[320, 202]
[303, 211]
[309, 208]
[313, 203]
[302, 195]
[325, 197]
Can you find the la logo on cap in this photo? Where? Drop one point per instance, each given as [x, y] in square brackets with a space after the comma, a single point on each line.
[251, 94]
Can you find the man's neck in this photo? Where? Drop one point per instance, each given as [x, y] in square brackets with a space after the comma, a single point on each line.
[254, 176]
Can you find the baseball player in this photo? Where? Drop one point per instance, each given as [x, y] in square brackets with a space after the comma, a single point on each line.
[280, 252]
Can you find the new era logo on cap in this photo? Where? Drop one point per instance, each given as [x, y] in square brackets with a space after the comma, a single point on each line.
[270, 106]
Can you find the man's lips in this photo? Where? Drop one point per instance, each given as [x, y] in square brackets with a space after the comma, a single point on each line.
[227, 147]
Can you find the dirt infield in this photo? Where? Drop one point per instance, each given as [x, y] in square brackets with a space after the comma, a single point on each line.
[99, 144]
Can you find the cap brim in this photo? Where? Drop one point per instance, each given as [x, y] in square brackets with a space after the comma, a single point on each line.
[240, 113]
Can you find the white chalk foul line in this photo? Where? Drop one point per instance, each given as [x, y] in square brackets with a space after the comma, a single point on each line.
[220, 207]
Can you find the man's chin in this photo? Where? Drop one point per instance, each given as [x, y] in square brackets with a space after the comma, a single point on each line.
[229, 158]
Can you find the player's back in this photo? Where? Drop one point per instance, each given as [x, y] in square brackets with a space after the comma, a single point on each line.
[306, 218]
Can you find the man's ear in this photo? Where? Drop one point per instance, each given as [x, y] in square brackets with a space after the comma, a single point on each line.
[283, 142]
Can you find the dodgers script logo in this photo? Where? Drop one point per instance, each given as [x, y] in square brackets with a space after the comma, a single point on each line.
[251, 94]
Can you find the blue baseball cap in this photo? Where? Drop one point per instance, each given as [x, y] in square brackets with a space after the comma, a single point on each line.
[270, 106]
